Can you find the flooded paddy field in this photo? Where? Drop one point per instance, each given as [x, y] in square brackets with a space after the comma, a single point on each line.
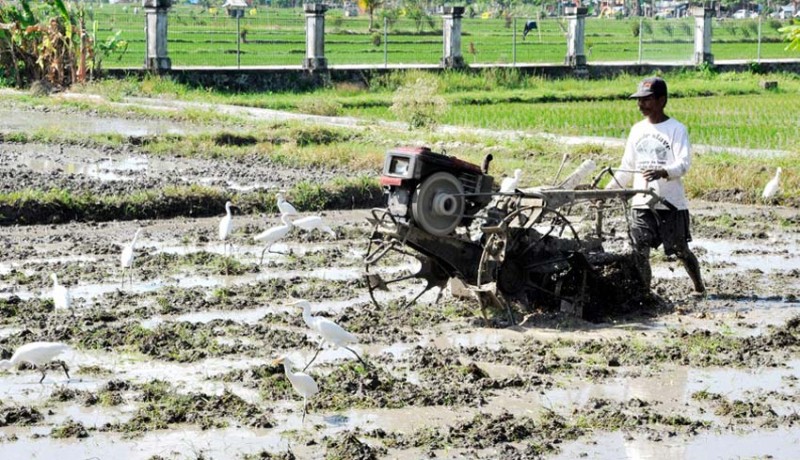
[178, 361]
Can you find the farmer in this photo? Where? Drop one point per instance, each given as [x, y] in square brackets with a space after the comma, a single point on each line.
[656, 157]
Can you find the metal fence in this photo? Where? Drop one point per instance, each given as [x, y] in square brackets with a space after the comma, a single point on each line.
[276, 37]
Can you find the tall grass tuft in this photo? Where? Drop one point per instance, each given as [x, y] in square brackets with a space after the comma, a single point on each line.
[419, 103]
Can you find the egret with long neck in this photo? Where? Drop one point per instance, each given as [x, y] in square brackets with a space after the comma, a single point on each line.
[226, 227]
[38, 354]
[271, 235]
[126, 259]
[301, 382]
[331, 332]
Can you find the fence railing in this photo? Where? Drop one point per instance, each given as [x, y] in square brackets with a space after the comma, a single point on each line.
[267, 36]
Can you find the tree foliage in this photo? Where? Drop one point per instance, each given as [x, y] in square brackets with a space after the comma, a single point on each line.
[49, 43]
[370, 6]
[792, 34]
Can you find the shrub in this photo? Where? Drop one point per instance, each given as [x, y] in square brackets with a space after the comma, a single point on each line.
[377, 39]
[320, 106]
[419, 103]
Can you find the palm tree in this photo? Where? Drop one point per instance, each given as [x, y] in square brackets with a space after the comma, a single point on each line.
[370, 6]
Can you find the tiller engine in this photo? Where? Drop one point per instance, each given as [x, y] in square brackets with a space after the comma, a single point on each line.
[522, 246]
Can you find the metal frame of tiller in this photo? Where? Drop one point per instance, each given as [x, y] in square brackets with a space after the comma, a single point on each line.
[510, 256]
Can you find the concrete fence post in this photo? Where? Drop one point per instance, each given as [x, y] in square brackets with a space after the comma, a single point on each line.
[576, 30]
[451, 34]
[156, 34]
[315, 36]
[702, 35]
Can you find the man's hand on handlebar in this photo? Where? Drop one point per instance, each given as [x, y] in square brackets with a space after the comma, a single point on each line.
[655, 174]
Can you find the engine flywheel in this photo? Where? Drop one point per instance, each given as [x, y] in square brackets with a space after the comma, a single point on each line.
[438, 204]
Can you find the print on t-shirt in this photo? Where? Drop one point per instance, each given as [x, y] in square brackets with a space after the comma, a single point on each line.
[651, 151]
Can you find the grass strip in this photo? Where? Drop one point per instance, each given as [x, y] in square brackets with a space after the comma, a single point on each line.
[29, 207]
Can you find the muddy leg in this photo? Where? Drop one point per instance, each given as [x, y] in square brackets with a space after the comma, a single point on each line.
[66, 370]
[692, 266]
[642, 259]
[315, 357]
[359, 357]
[43, 371]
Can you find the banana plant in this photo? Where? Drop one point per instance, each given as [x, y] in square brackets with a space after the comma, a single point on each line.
[46, 43]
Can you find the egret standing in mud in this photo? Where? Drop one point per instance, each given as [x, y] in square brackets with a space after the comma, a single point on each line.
[510, 184]
[772, 186]
[62, 299]
[226, 227]
[126, 259]
[38, 354]
[313, 222]
[331, 332]
[301, 382]
[284, 206]
[273, 234]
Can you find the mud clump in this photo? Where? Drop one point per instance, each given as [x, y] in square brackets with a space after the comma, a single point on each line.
[253, 376]
[349, 447]
[69, 429]
[164, 406]
[607, 415]
[226, 139]
[19, 415]
[351, 385]
[390, 322]
[264, 455]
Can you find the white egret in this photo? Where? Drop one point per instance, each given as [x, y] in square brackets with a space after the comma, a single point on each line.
[126, 259]
[62, 299]
[772, 186]
[273, 234]
[311, 222]
[301, 382]
[331, 332]
[226, 226]
[38, 354]
[284, 206]
[510, 184]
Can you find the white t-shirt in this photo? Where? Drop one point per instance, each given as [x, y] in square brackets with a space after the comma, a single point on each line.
[650, 146]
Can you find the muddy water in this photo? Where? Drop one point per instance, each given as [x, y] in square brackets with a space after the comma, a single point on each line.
[668, 388]
[728, 363]
[16, 120]
[777, 444]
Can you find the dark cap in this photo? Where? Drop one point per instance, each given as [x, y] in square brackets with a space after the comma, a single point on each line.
[653, 86]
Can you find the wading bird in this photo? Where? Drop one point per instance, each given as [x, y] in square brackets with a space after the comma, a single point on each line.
[62, 299]
[126, 260]
[510, 184]
[284, 206]
[38, 354]
[301, 382]
[271, 235]
[331, 332]
[311, 222]
[772, 186]
[226, 227]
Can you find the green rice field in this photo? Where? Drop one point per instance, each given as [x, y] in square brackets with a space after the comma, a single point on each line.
[743, 121]
[276, 37]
